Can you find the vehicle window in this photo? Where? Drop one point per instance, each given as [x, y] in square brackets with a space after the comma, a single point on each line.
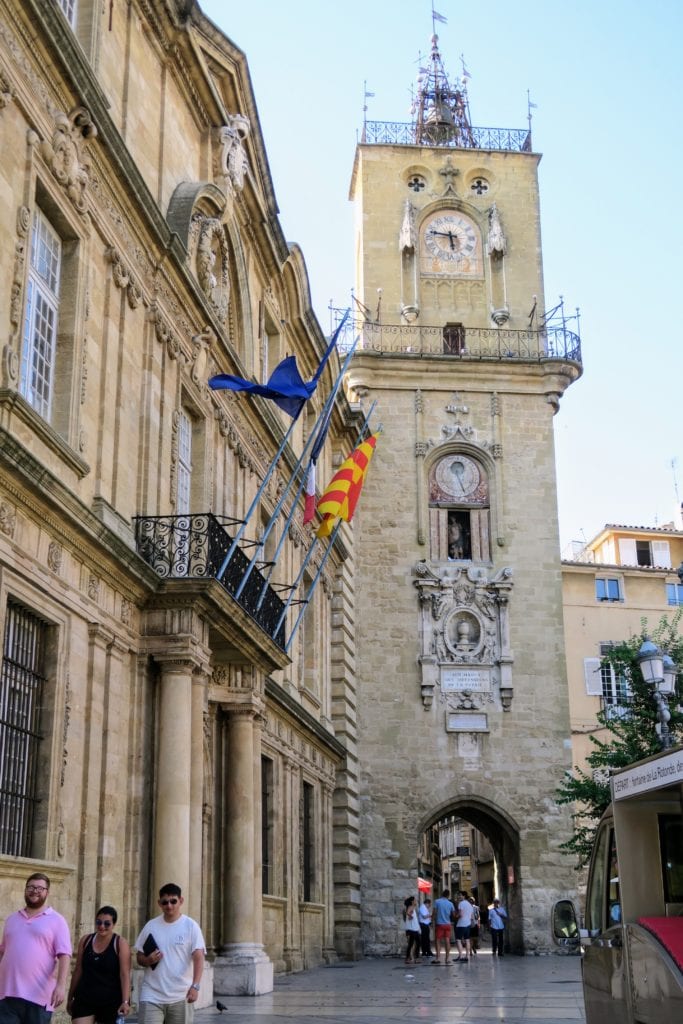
[613, 897]
[671, 845]
[596, 898]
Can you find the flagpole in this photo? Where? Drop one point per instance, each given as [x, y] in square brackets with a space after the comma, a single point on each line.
[302, 570]
[309, 443]
[271, 468]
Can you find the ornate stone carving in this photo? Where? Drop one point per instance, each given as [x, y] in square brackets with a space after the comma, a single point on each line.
[93, 587]
[54, 556]
[449, 173]
[8, 519]
[421, 449]
[10, 356]
[122, 277]
[232, 157]
[6, 90]
[126, 611]
[212, 265]
[407, 238]
[496, 243]
[464, 632]
[68, 698]
[173, 491]
[66, 155]
[164, 334]
[201, 350]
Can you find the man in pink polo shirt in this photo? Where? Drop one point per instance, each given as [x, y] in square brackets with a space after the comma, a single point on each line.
[34, 938]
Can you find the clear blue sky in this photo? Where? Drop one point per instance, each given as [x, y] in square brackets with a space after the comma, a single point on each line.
[608, 82]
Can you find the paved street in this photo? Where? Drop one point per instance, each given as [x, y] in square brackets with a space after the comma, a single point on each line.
[545, 990]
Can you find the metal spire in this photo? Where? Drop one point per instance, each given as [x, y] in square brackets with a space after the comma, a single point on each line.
[440, 108]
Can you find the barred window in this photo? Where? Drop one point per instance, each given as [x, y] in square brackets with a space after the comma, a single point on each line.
[22, 678]
[42, 312]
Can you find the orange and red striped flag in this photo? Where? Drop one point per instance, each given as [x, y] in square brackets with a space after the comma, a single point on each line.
[341, 495]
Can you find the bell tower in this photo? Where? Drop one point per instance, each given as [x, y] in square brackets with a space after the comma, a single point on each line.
[462, 695]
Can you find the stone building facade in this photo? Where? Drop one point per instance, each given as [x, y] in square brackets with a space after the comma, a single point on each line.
[462, 694]
[157, 726]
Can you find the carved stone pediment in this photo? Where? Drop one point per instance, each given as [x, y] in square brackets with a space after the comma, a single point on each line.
[465, 659]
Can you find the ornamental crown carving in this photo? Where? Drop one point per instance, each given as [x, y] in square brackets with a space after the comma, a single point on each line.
[66, 155]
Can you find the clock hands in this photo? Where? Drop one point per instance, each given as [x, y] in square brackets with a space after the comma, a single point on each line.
[446, 234]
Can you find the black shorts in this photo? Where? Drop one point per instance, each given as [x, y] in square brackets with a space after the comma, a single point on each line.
[102, 1014]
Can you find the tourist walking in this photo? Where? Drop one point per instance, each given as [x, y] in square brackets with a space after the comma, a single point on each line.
[100, 986]
[35, 941]
[411, 924]
[462, 927]
[424, 913]
[171, 948]
[444, 913]
[497, 919]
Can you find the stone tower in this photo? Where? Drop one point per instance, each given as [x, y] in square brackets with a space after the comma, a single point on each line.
[462, 694]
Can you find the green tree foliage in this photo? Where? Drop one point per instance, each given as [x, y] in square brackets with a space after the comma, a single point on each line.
[622, 738]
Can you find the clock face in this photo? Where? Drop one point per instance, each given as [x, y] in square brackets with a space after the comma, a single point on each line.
[452, 240]
[458, 476]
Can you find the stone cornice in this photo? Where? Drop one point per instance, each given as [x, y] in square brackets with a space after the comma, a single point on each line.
[286, 703]
[37, 489]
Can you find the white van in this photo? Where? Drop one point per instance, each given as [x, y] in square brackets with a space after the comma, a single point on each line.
[632, 942]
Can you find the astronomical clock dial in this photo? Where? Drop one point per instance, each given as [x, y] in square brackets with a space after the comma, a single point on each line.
[458, 476]
[452, 239]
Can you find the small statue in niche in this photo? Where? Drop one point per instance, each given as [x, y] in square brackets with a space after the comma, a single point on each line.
[496, 244]
[458, 541]
[407, 237]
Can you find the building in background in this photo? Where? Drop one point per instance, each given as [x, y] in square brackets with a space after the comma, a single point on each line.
[623, 575]
[156, 722]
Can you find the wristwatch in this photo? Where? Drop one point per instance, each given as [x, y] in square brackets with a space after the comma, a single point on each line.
[195, 987]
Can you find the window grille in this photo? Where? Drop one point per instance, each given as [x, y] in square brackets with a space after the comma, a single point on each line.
[21, 693]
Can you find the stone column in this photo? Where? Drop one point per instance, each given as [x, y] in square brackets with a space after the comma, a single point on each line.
[326, 881]
[243, 968]
[174, 776]
[292, 953]
[199, 702]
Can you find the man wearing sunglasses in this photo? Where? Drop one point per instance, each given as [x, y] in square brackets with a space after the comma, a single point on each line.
[35, 940]
[171, 949]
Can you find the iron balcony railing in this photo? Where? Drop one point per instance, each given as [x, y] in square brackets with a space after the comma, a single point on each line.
[465, 343]
[195, 547]
[398, 133]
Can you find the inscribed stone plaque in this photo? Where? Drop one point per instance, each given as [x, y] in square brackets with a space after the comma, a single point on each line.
[474, 679]
[462, 722]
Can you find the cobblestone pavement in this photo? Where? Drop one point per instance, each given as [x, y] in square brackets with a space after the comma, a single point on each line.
[541, 990]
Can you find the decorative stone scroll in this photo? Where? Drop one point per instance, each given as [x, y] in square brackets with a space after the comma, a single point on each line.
[232, 162]
[6, 91]
[122, 277]
[66, 154]
[212, 264]
[465, 657]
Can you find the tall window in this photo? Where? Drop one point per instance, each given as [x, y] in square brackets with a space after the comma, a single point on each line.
[616, 693]
[42, 312]
[674, 593]
[307, 841]
[266, 825]
[184, 462]
[69, 9]
[21, 690]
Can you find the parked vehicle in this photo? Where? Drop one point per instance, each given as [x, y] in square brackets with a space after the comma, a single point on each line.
[632, 942]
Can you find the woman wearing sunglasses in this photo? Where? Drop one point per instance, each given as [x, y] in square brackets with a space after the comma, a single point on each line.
[100, 986]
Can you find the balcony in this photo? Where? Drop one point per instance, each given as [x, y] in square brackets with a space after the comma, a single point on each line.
[194, 547]
[464, 343]
[397, 133]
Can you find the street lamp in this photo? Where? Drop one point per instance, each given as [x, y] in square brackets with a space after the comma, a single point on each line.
[659, 672]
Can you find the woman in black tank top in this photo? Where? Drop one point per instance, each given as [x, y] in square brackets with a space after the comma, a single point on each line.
[100, 986]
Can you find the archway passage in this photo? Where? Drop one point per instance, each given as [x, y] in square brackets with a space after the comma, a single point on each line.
[470, 845]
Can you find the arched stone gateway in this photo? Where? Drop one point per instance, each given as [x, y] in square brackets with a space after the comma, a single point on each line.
[504, 880]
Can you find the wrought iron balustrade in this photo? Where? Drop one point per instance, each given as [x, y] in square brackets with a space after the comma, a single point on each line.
[471, 343]
[398, 133]
[195, 547]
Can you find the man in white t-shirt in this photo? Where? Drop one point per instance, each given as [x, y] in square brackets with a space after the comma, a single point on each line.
[462, 928]
[171, 948]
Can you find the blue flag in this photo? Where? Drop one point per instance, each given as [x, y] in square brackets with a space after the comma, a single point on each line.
[285, 386]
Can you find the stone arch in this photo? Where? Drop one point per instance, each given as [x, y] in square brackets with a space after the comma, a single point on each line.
[502, 832]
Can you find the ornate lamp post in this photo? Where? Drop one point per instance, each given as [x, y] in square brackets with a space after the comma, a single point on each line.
[659, 672]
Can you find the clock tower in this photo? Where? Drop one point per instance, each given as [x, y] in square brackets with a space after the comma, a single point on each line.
[462, 696]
